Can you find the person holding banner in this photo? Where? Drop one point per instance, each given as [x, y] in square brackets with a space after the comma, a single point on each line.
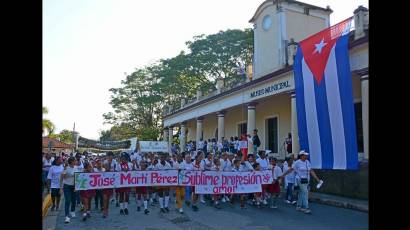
[199, 167]
[124, 195]
[87, 195]
[180, 190]
[216, 167]
[186, 165]
[274, 188]
[98, 192]
[141, 191]
[163, 191]
[107, 192]
[237, 168]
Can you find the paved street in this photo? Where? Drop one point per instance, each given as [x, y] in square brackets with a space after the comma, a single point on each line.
[285, 217]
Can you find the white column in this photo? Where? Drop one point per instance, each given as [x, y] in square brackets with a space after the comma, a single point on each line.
[182, 137]
[294, 126]
[251, 118]
[165, 134]
[221, 125]
[365, 114]
[170, 138]
[199, 122]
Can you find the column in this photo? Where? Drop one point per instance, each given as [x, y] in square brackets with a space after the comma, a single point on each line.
[182, 137]
[165, 134]
[251, 118]
[221, 125]
[170, 139]
[199, 122]
[294, 126]
[365, 114]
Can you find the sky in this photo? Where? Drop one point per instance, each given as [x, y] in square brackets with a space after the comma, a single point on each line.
[90, 45]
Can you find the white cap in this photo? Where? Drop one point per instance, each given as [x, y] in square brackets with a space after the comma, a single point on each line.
[303, 153]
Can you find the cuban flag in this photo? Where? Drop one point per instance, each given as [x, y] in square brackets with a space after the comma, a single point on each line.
[324, 99]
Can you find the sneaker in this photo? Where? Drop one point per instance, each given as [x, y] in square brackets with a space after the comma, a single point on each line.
[122, 212]
[302, 209]
[67, 220]
[84, 216]
[223, 200]
[227, 199]
[288, 202]
[126, 211]
[138, 208]
[307, 211]
[265, 202]
[166, 209]
[162, 210]
[203, 202]
[188, 203]
[72, 214]
[181, 211]
[146, 211]
[194, 208]
[298, 208]
[294, 202]
[274, 206]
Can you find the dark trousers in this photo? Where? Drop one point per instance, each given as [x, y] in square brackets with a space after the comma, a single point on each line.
[98, 198]
[69, 197]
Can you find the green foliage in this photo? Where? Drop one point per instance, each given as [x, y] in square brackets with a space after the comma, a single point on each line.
[143, 96]
[48, 126]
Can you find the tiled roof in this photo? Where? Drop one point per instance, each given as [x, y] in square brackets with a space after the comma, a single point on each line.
[56, 144]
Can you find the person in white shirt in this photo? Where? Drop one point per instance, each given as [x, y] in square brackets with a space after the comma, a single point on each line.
[54, 175]
[123, 192]
[163, 191]
[226, 164]
[289, 181]
[274, 188]
[186, 165]
[142, 192]
[98, 192]
[216, 166]
[237, 168]
[303, 171]
[263, 161]
[197, 167]
[67, 186]
[47, 163]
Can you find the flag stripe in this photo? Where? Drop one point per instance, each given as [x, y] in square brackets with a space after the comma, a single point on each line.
[335, 113]
[324, 124]
[311, 117]
[300, 102]
[346, 94]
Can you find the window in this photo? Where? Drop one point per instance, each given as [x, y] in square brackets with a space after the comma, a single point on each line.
[359, 126]
[272, 134]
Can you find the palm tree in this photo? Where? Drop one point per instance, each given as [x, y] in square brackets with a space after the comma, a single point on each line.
[47, 124]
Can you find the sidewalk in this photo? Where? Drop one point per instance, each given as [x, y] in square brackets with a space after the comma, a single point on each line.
[338, 201]
[50, 220]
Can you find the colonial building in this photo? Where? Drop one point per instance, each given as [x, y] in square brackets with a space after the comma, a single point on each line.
[267, 102]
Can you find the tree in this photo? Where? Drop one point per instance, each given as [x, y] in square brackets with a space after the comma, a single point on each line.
[65, 136]
[143, 96]
[48, 126]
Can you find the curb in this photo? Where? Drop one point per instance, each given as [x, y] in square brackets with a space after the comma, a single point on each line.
[341, 204]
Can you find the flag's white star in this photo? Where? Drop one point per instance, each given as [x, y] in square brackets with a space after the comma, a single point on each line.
[320, 46]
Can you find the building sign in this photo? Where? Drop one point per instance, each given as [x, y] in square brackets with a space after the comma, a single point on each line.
[272, 89]
[154, 146]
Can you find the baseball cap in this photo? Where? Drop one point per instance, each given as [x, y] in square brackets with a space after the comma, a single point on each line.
[303, 153]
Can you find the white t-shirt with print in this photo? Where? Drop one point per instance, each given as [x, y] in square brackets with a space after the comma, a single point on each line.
[302, 169]
[68, 179]
[54, 175]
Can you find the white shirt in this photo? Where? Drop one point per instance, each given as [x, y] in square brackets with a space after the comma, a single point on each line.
[54, 175]
[220, 146]
[277, 172]
[264, 163]
[289, 178]
[236, 170]
[226, 165]
[159, 166]
[207, 164]
[136, 156]
[118, 167]
[186, 166]
[236, 144]
[47, 163]
[198, 167]
[246, 167]
[214, 168]
[302, 169]
[113, 165]
[69, 175]
[99, 170]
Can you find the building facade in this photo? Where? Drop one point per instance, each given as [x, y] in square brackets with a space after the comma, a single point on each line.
[267, 102]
